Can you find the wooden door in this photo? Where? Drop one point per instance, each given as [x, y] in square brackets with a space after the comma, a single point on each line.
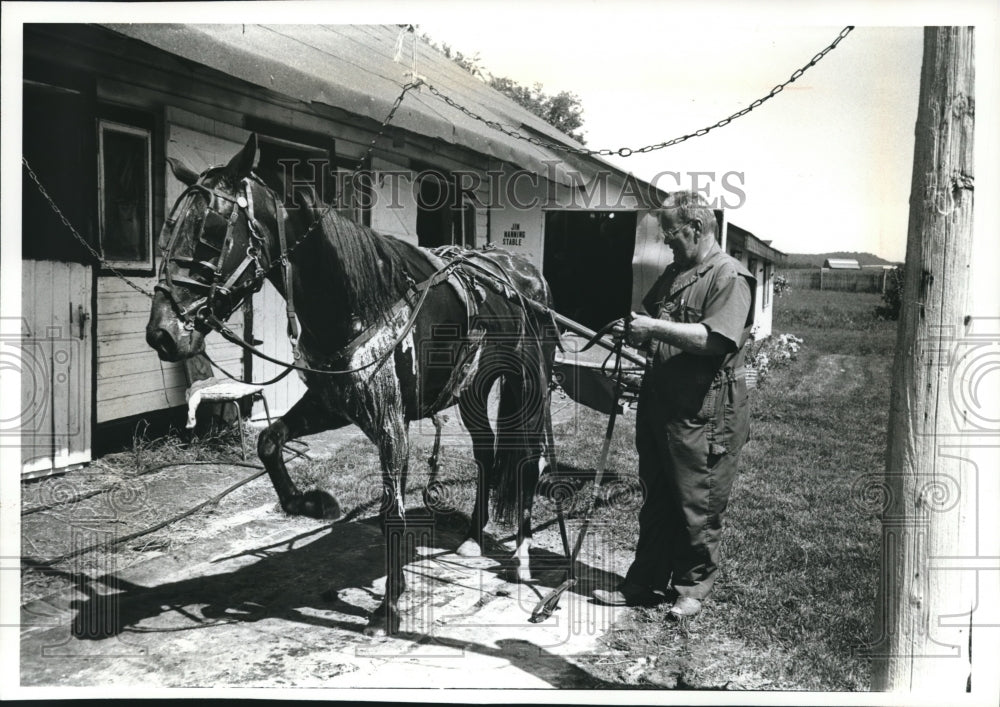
[55, 360]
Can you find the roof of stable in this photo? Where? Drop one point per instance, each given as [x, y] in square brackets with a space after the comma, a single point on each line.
[354, 68]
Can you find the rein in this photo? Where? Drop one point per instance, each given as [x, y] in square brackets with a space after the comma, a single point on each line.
[423, 289]
[201, 311]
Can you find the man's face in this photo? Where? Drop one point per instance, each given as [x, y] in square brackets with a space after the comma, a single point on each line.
[682, 238]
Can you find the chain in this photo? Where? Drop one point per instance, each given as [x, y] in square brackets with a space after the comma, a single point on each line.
[627, 151]
[361, 163]
[621, 152]
[97, 256]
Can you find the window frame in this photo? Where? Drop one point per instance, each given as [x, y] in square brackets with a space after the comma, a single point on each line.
[768, 284]
[103, 125]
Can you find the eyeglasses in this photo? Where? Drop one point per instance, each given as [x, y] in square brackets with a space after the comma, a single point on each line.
[672, 231]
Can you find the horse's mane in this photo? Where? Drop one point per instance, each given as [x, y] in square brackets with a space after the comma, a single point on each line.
[373, 269]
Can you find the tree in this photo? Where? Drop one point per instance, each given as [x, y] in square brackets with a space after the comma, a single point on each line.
[563, 111]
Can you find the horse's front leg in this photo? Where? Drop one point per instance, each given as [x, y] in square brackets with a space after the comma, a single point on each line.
[307, 416]
[393, 444]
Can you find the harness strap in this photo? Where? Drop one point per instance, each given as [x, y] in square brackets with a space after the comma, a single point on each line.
[237, 273]
[293, 325]
[423, 289]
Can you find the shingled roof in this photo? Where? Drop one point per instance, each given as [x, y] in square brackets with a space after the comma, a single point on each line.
[354, 68]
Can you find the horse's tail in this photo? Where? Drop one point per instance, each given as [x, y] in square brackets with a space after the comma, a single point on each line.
[524, 431]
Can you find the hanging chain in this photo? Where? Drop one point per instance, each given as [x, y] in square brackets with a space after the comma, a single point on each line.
[627, 151]
[361, 163]
[97, 256]
[417, 82]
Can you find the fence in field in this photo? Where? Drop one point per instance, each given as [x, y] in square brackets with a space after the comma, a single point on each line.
[868, 280]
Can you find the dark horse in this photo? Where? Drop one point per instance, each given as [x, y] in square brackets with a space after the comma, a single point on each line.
[382, 340]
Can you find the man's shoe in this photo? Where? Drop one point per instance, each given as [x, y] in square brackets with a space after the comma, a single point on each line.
[684, 607]
[627, 596]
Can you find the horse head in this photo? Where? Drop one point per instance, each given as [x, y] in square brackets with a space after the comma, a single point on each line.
[217, 249]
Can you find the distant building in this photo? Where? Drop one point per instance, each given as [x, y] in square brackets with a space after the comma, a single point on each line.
[841, 264]
[759, 258]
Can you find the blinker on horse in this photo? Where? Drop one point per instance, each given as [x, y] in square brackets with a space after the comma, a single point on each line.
[378, 318]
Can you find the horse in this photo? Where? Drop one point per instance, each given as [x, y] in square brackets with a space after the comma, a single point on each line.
[385, 333]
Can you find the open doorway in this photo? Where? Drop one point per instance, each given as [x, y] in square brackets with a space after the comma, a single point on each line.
[588, 263]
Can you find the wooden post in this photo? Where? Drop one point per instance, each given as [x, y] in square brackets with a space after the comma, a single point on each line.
[927, 595]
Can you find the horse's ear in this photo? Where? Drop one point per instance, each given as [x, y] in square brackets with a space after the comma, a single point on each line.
[182, 171]
[242, 164]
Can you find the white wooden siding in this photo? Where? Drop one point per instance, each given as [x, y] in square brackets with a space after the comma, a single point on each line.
[394, 210]
[55, 359]
[650, 257]
[269, 325]
[131, 379]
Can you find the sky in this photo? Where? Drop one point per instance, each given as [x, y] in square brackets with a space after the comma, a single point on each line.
[825, 165]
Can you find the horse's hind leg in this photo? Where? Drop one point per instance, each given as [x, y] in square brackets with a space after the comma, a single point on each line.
[307, 416]
[473, 408]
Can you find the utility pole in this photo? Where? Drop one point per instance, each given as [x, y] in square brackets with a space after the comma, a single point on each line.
[931, 596]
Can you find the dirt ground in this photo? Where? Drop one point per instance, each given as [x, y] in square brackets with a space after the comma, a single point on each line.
[240, 595]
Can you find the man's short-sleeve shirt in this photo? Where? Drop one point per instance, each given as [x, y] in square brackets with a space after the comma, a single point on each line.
[718, 293]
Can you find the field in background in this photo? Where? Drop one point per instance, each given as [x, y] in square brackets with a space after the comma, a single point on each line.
[867, 280]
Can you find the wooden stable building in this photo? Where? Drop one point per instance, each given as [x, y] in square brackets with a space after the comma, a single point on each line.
[105, 107]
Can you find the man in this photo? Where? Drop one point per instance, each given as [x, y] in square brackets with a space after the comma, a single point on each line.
[693, 416]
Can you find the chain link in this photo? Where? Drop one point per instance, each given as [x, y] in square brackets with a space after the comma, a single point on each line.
[62, 217]
[628, 151]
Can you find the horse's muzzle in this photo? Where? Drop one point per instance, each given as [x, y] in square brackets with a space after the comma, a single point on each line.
[163, 343]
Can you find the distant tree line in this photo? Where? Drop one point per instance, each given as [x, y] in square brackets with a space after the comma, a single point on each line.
[563, 111]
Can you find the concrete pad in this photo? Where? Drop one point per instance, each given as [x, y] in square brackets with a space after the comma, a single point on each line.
[280, 602]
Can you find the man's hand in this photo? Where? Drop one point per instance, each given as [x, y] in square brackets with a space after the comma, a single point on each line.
[690, 337]
[640, 329]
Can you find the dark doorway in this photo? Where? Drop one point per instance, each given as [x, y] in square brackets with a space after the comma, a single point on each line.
[588, 263]
[58, 145]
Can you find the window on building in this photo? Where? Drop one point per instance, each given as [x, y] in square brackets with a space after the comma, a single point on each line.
[768, 284]
[125, 180]
[466, 235]
[351, 193]
[439, 220]
[286, 166]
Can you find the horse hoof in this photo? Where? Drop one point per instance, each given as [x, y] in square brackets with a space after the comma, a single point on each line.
[470, 548]
[320, 504]
[517, 576]
[379, 627]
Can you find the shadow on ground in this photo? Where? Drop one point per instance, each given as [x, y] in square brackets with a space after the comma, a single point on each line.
[327, 578]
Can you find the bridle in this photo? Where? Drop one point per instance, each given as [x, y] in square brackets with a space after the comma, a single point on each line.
[204, 314]
[227, 290]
